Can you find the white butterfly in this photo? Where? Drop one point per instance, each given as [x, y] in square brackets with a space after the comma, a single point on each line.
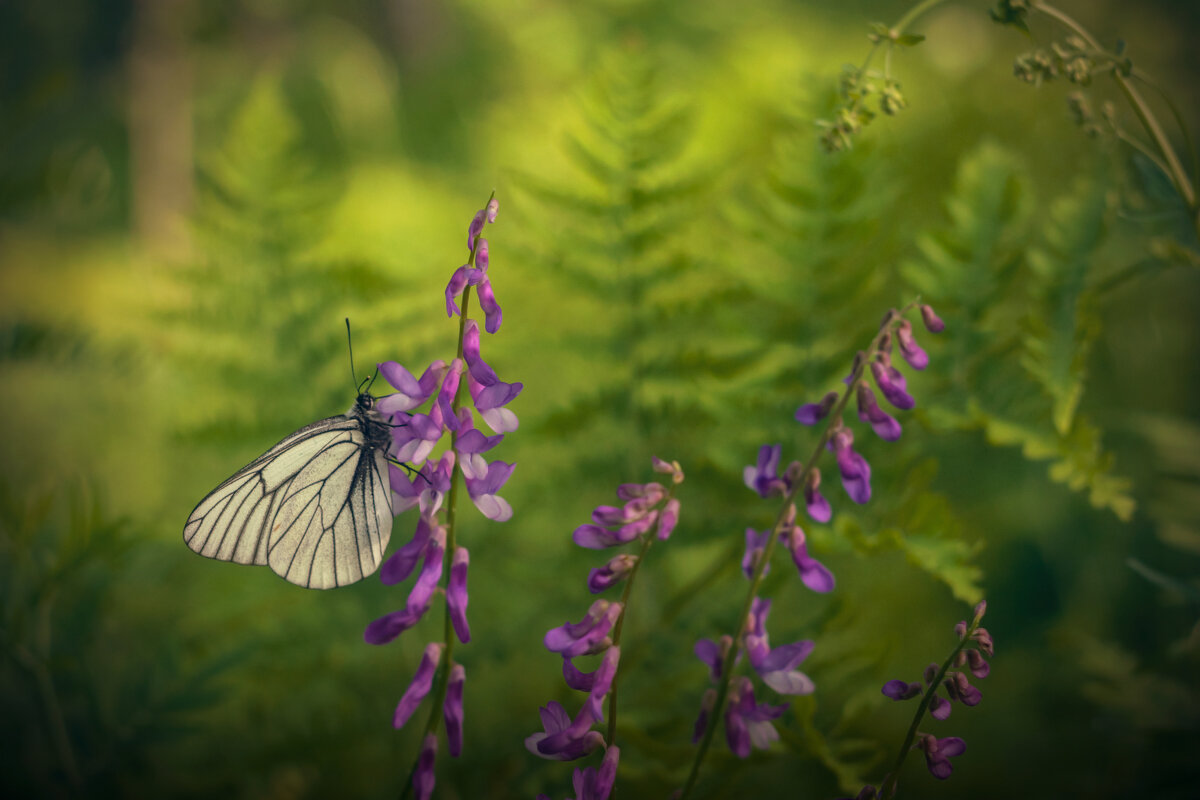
[316, 507]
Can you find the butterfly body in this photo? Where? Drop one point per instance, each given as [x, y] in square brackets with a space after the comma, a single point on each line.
[316, 507]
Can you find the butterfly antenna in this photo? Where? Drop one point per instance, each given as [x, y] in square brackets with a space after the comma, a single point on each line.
[372, 381]
[350, 346]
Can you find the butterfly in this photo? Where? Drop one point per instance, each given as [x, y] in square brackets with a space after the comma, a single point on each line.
[316, 508]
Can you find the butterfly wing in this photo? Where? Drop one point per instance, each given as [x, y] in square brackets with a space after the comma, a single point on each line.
[316, 508]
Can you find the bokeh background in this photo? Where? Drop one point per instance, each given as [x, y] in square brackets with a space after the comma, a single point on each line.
[194, 195]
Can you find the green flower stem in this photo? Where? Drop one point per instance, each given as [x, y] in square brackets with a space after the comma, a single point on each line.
[888, 788]
[1174, 167]
[647, 539]
[834, 415]
[899, 28]
[443, 677]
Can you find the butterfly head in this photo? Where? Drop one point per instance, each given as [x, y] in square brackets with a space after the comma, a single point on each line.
[364, 402]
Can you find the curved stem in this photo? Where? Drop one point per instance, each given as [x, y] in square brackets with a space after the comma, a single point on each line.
[760, 567]
[1174, 168]
[888, 788]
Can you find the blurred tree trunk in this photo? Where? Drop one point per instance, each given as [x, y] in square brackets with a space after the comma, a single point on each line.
[160, 125]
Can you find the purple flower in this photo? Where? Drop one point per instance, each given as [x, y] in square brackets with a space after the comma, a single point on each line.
[564, 739]
[748, 723]
[402, 562]
[483, 491]
[463, 277]
[764, 476]
[456, 594]
[668, 519]
[856, 472]
[755, 544]
[933, 323]
[893, 390]
[423, 778]
[938, 753]
[493, 315]
[812, 413]
[912, 352]
[452, 710]
[389, 626]
[410, 392]
[884, 424]
[595, 537]
[415, 440]
[776, 667]
[813, 573]
[901, 690]
[422, 682]
[713, 654]
[612, 573]
[602, 679]
[649, 493]
[814, 502]
[481, 254]
[960, 689]
[589, 635]
[670, 468]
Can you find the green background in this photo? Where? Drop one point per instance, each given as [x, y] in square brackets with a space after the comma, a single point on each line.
[194, 195]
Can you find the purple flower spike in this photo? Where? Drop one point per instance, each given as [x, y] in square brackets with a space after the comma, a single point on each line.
[755, 542]
[589, 635]
[901, 690]
[813, 573]
[856, 472]
[764, 476]
[651, 493]
[405, 494]
[612, 573]
[452, 710]
[423, 778]
[456, 594]
[415, 441]
[814, 502]
[493, 315]
[912, 352]
[812, 413]
[422, 682]
[933, 323]
[492, 209]
[892, 389]
[938, 753]
[884, 424]
[593, 784]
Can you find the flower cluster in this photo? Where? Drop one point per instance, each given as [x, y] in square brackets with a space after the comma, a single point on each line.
[649, 512]
[1070, 58]
[415, 435]
[859, 86]
[895, 332]
[748, 723]
[974, 643]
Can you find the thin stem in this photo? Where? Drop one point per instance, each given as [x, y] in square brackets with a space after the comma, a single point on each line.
[1174, 168]
[888, 788]
[647, 540]
[765, 558]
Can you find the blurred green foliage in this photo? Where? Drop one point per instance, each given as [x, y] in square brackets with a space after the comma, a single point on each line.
[681, 264]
